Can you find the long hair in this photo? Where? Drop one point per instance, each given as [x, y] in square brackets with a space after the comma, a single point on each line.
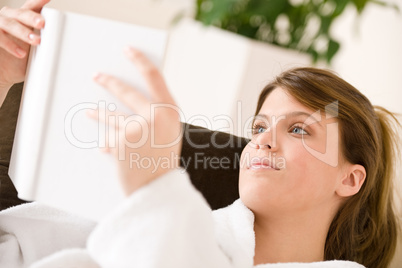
[365, 228]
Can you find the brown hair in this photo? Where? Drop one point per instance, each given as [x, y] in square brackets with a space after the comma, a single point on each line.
[365, 228]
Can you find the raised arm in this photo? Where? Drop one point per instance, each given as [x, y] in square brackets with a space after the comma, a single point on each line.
[165, 221]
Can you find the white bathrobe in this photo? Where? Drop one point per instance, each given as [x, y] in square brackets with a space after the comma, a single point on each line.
[167, 224]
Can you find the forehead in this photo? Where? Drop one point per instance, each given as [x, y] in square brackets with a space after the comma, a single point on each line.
[281, 102]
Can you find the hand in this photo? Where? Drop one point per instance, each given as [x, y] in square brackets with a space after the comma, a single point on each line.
[16, 37]
[142, 162]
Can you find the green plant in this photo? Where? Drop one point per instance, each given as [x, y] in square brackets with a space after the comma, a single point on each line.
[303, 25]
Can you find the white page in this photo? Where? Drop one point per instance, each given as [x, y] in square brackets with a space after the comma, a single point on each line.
[72, 172]
[38, 83]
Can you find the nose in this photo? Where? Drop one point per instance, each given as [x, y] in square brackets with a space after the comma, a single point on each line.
[266, 140]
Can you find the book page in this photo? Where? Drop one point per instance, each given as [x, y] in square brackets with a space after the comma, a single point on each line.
[73, 174]
[32, 118]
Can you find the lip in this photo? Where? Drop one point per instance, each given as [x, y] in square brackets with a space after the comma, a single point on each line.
[262, 165]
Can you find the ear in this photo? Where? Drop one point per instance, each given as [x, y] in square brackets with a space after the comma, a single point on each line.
[352, 181]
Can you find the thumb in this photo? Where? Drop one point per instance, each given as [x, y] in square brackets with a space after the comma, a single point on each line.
[35, 5]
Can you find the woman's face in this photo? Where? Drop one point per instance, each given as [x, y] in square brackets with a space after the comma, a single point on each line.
[292, 162]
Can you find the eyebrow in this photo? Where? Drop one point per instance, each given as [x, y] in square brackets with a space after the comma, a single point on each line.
[290, 115]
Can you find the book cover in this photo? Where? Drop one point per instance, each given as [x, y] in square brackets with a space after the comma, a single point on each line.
[56, 157]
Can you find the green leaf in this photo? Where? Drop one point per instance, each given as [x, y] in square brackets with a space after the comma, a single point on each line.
[360, 4]
[340, 7]
[326, 23]
[333, 47]
[237, 16]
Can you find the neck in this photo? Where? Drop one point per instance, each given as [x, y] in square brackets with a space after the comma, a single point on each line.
[291, 238]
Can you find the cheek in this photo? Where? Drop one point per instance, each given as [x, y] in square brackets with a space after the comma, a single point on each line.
[298, 172]
[313, 180]
[325, 146]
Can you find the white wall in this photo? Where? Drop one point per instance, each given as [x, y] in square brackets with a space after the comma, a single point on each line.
[154, 13]
[370, 57]
[371, 54]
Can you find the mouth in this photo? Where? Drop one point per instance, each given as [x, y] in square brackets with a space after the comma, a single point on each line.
[262, 164]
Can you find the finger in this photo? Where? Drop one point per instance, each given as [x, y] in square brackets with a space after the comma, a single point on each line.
[105, 116]
[18, 30]
[11, 47]
[152, 76]
[25, 16]
[35, 5]
[131, 97]
[120, 129]
[111, 130]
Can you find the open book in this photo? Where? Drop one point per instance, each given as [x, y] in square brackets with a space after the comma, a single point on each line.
[56, 157]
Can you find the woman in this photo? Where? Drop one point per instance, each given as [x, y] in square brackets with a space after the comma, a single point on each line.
[316, 175]
[315, 185]
[363, 215]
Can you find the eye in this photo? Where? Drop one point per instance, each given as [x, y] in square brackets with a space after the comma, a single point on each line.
[258, 128]
[298, 130]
